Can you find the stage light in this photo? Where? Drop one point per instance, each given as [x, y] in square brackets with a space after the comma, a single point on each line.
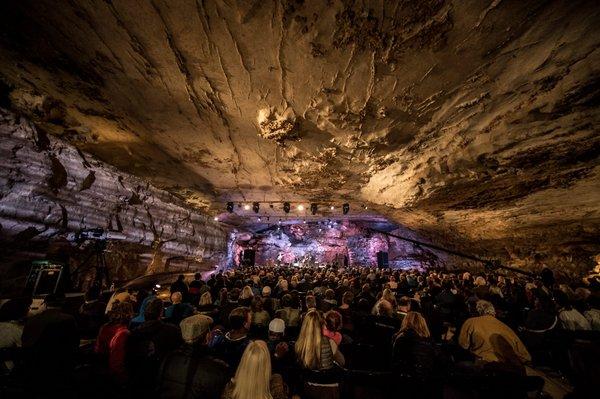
[216, 218]
[258, 219]
[345, 208]
[246, 207]
[300, 207]
[332, 207]
[286, 207]
[255, 207]
[230, 207]
[279, 221]
[304, 221]
[313, 209]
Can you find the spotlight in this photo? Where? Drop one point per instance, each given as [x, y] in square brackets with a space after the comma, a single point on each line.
[300, 207]
[216, 218]
[230, 207]
[246, 207]
[286, 207]
[258, 219]
[279, 221]
[313, 209]
[345, 208]
[304, 221]
[255, 207]
[332, 207]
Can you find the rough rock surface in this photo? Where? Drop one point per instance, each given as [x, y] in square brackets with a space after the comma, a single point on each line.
[49, 188]
[328, 243]
[474, 122]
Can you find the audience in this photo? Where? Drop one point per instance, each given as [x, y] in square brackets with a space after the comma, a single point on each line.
[435, 322]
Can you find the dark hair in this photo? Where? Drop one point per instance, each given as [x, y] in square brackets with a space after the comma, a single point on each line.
[92, 293]
[238, 317]
[14, 309]
[286, 300]
[154, 309]
[348, 297]
[181, 277]
[333, 320]
[121, 312]
[197, 276]
[404, 301]
[256, 304]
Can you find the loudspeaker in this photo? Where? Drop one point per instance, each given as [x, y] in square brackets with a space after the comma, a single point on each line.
[248, 257]
[382, 260]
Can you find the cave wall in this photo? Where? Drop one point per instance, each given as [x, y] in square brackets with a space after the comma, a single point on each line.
[49, 188]
[325, 243]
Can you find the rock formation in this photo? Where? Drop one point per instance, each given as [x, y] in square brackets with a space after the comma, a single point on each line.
[474, 123]
[49, 188]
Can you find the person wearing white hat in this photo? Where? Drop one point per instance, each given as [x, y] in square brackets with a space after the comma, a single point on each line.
[192, 362]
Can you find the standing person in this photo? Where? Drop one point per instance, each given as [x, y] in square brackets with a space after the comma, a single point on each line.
[253, 378]
[191, 372]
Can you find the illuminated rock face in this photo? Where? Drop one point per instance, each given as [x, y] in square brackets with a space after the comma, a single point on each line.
[474, 123]
[314, 243]
[49, 188]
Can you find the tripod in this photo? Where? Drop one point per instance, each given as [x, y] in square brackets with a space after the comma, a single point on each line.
[97, 260]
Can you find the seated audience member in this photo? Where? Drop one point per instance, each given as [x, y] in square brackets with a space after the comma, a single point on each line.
[226, 307]
[190, 371]
[180, 286]
[246, 296]
[332, 326]
[592, 314]
[260, 317]
[195, 289]
[12, 316]
[148, 345]
[231, 347]
[50, 343]
[253, 378]
[413, 351]
[492, 341]
[269, 304]
[404, 305]
[314, 350]
[290, 315]
[206, 306]
[140, 318]
[112, 340]
[178, 310]
[329, 302]
[542, 317]
[365, 294]
[91, 314]
[346, 310]
[568, 316]
[276, 334]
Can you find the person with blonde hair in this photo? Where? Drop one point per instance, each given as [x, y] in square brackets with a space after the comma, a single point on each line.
[246, 296]
[413, 350]
[314, 350]
[253, 378]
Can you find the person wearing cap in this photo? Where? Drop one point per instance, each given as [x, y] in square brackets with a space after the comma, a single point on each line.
[281, 357]
[190, 372]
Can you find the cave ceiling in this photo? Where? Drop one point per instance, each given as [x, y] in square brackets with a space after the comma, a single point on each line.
[477, 119]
